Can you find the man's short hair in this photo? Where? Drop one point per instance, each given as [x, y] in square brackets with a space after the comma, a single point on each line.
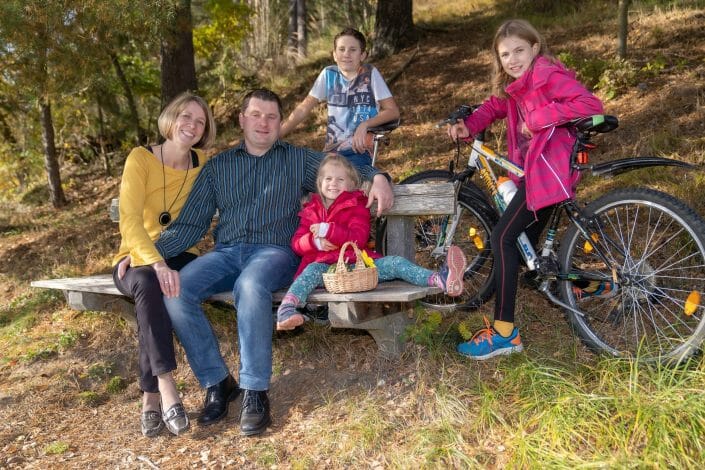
[263, 94]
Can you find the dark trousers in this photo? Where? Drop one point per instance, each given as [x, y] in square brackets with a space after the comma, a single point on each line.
[154, 331]
[515, 219]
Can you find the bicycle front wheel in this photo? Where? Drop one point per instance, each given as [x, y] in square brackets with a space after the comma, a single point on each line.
[642, 299]
[472, 235]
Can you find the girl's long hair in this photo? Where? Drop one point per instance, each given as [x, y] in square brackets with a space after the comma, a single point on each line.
[523, 30]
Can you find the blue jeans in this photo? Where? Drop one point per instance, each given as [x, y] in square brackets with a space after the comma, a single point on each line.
[252, 273]
[356, 159]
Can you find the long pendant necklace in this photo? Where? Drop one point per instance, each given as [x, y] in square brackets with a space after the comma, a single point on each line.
[165, 216]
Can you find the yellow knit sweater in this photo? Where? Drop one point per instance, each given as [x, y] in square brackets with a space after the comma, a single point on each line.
[142, 199]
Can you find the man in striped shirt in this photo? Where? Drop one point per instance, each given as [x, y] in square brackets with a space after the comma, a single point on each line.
[256, 187]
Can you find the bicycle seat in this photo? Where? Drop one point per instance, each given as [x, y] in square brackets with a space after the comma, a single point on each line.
[384, 128]
[598, 124]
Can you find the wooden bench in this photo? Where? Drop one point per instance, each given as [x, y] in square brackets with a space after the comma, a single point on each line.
[384, 312]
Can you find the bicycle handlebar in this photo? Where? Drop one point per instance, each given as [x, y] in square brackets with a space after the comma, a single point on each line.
[461, 112]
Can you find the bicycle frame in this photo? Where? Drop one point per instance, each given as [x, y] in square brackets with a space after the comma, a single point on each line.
[546, 265]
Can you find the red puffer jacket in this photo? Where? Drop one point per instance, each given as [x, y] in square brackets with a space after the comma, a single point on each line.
[349, 220]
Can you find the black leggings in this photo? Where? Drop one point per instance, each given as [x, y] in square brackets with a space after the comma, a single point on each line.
[515, 219]
[154, 331]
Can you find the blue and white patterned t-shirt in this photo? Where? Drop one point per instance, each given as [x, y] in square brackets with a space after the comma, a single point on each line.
[349, 101]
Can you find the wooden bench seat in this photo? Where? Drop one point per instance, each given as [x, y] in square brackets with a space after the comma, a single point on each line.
[384, 312]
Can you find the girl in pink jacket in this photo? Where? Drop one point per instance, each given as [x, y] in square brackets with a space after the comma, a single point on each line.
[535, 94]
[337, 214]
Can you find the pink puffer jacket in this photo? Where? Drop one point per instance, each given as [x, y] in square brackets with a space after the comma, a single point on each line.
[547, 95]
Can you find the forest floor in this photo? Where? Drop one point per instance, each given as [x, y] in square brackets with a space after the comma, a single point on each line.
[335, 403]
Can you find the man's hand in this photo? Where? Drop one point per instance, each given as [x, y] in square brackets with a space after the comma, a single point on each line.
[168, 279]
[123, 265]
[381, 190]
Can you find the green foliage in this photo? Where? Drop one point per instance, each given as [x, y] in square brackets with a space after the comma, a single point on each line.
[90, 398]
[427, 329]
[100, 370]
[116, 384]
[612, 77]
[56, 448]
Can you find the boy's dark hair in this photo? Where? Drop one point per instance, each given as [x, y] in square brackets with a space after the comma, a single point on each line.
[354, 33]
[263, 94]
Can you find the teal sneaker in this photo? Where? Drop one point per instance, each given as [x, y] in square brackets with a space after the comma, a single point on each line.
[487, 343]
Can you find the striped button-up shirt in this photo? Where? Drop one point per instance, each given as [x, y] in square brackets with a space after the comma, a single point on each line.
[257, 197]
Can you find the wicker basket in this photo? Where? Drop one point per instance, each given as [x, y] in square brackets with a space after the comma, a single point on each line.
[360, 279]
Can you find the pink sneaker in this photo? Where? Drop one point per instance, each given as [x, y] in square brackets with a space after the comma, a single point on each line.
[453, 270]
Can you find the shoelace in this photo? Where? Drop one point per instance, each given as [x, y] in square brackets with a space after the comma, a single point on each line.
[253, 399]
[483, 334]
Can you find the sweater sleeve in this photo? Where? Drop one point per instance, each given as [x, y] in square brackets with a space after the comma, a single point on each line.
[568, 99]
[195, 218]
[132, 201]
[302, 241]
[491, 110]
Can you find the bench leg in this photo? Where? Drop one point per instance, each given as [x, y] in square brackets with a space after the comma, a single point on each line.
[387, 329]
[102, 303]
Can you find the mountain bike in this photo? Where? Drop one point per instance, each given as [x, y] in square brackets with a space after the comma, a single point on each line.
[648, 246]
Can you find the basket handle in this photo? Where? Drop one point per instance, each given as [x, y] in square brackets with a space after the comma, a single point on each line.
[359, 262]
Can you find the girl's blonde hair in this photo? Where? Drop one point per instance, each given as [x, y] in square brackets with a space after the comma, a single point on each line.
[336, 159]
[167, 119]
[523, 30]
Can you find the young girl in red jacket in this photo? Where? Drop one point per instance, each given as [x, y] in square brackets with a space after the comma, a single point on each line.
[337, 214]
[535, 94]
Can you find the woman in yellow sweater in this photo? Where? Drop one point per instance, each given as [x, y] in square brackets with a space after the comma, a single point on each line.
[155, 183]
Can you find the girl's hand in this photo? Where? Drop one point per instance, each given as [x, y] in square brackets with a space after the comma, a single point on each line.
[328, 246]
[359, 138]
[458, 131]
[168, 279]
[525, 131]
[314, 229]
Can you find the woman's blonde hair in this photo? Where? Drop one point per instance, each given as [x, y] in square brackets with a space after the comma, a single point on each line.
[523, 30]
[336, 159]
[170, 113]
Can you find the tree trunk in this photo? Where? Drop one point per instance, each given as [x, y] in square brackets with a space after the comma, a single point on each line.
[101, 140]
[51, 162]
[140, 133]
[623, 28]
[178, 66]
[302, 39]
[394, 27]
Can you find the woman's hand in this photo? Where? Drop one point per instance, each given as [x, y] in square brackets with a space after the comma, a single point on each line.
[168, 279]
[458, 131]
[123, 265]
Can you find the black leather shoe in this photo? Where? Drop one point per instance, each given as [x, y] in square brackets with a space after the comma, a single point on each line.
[255, 415]
[215, 406]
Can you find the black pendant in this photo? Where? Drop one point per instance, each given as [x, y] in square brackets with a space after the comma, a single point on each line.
[164, 218]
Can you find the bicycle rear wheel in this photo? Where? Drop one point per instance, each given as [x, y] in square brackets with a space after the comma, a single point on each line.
[656, 245]
[477, 218]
